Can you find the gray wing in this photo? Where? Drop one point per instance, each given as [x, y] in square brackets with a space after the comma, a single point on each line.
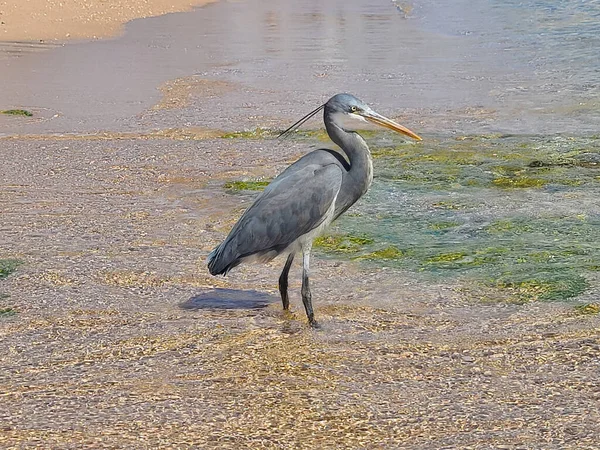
[292, 205]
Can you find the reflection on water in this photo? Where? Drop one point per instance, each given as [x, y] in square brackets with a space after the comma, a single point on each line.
[531, 66]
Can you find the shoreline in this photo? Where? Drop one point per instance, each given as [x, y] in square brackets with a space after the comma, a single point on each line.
[39, 20]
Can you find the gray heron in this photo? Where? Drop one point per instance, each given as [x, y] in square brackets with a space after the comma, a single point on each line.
[306, 197]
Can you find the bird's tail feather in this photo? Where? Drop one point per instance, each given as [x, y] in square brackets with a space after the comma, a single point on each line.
[215, 265]
[219, 263]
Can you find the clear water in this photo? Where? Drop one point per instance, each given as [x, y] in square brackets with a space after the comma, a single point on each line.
[519, 207]
[464, 66]
[501, 211]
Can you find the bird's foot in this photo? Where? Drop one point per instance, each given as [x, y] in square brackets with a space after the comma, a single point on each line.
[314, 324]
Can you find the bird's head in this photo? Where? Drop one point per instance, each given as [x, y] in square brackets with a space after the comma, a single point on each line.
[348, 112]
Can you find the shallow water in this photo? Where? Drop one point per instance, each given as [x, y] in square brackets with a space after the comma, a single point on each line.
[504, 209]
[509, 212]
[519, 67]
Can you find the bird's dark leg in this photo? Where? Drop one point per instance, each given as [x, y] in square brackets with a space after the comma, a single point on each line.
[306, 295]
[283, 282]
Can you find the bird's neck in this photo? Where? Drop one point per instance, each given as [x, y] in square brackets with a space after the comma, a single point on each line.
[360, 175]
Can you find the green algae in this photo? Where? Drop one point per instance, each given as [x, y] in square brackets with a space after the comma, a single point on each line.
[250, 185]
[8, 266]
[499, 162]
[257, 133]
[513, 225]
[7, 312]
[388, 253]
[17, 112]
[341, 243]
[267, 133]
[355, 245]
[519, 209]
[446, 257]
[518, 182]
[546, 286]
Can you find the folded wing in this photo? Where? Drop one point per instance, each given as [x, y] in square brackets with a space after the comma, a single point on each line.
[291, 206]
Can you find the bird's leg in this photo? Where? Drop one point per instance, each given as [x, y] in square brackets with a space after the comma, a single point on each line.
[283, 282]
[306, 295]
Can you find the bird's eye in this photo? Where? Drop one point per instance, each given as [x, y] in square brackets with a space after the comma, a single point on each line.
[354, 108]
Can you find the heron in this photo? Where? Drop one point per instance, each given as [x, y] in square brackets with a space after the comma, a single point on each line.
[306, 197]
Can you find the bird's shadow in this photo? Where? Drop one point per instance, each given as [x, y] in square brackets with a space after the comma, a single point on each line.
[220, 298]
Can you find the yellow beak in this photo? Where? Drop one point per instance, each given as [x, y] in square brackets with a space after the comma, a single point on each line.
[378, 119]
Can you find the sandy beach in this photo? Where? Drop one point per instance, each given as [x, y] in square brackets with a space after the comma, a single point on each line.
[40, 20]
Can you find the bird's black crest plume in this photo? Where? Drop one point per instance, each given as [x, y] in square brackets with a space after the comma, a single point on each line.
[297, 125]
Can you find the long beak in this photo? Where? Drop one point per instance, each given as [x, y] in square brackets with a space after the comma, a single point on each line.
[378, 119]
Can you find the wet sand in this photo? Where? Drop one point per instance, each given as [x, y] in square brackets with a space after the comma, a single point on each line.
[111, 345]
[40, 20]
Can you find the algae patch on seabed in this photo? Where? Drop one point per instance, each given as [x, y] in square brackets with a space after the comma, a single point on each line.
[257, 133]
[492, 162]
[341, 243]
[356, 246]
[8, 266]
[518, 210]
[443, 258]
[17, 112]
[548, 286]
[267, 133]
[518, 182]
[388, 253]
[249, 185]
[7, 312]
